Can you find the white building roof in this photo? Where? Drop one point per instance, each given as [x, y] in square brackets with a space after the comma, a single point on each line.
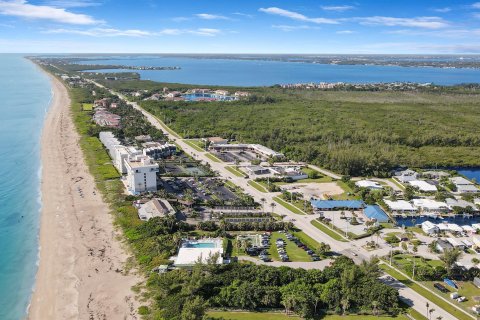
[427, 225]
[454, 227]
[368, 184]
[476, 226]
[429, 204]
[423, 185]
[467, 242]
[459, 203]
[400, 205]
[155, 208]
[467, 188]
[468, 228]
[454, 242]
[460, 181]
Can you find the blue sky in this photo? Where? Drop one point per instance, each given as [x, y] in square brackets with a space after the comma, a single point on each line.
[242, 26]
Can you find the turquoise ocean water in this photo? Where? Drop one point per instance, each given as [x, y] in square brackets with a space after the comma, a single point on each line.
[25, 94]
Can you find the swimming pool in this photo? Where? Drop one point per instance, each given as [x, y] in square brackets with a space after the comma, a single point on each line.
[199, 244]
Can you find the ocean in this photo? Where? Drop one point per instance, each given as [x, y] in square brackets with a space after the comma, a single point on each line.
[231, 72]
[25, 95]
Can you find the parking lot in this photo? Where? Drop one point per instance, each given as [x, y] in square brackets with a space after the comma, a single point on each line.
[202, 189]
[281, 246]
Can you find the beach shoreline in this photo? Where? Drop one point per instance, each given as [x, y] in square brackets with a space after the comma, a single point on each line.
[81, 263]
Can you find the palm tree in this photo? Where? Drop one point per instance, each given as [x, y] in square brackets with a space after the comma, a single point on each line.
[345, 305]
[428, 307]
[273, 205]
[263, 201]
[439, 318]
[374, 307]
[430, 313]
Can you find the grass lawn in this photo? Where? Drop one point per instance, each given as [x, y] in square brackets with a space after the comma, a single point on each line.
[295, 253]
[302, 236]
[194, 145]
[257, 186]
[288, 206]
[87, 106]
[280, 316]
[466, 289]
[397, 183]
[404, 261]
[347, 195]
[426, 293]
[235, 171]
[331, 233]
[212, 157]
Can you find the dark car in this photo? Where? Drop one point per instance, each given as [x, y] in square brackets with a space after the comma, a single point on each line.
[310, 252]
[315, 258]
[441, 288]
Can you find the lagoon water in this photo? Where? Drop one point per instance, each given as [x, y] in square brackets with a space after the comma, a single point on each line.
[231, 72]
[25, 94]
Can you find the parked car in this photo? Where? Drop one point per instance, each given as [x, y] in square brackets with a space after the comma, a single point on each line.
[440, 287]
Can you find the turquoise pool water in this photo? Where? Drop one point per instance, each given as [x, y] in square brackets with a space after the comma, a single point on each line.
[200, 245]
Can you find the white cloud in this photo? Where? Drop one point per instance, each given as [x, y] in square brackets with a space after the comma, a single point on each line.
[296, 16]
[476, 5]
[288, 28]
[110, 32]
[102, 32]
[476, 15]
[417, 22]
[208, 16]
[72, 3]
[205, 32]
[345, 32]
[338, 8]
[442, 10]
[21, 8]
[246, 15]
[180, 19]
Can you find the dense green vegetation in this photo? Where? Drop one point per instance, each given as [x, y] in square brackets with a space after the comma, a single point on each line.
[343, 287]
[349, 132]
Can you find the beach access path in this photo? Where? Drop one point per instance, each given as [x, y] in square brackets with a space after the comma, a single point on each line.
[81, 271]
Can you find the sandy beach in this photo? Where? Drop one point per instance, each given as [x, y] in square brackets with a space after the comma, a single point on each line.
[81, 272]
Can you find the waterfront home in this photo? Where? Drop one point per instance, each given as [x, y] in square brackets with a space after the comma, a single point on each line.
[463, 185]
[460, 203]
[369, 184]
[435, 174]
[423, 186]
[141, 174]
[406, 175]
[155, 208]
[400, 206]
[430, 228]
[174, 94]
[429, 205]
